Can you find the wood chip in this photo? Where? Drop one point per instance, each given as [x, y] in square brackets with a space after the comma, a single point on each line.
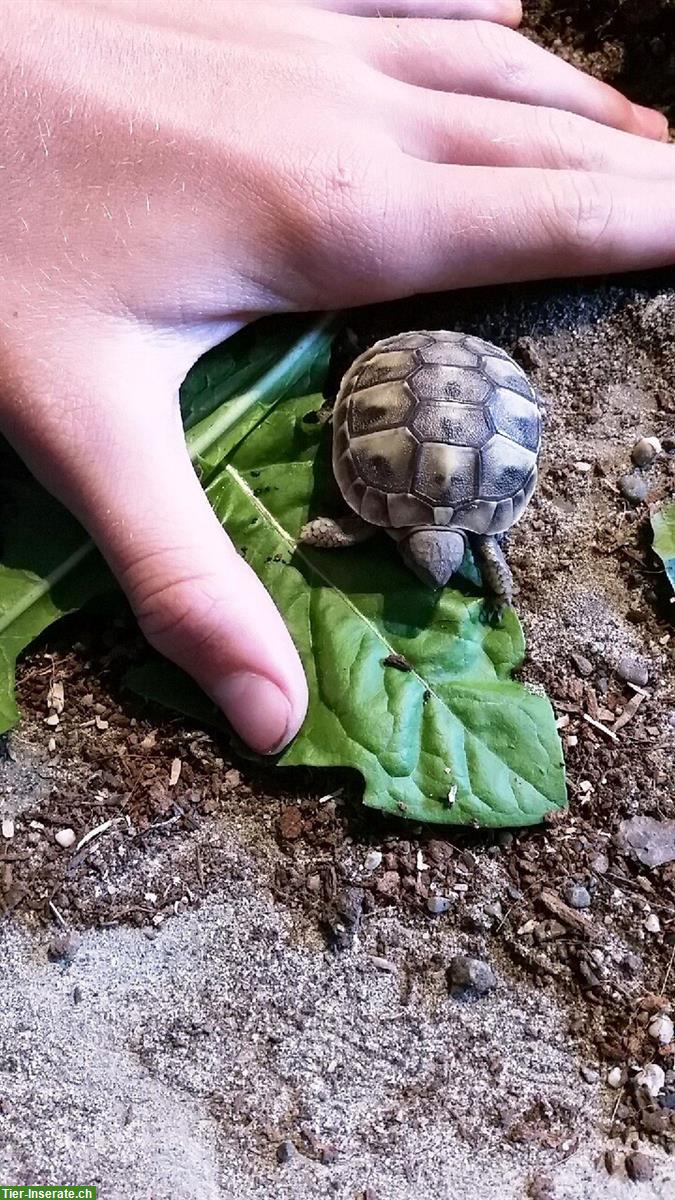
[629, 711]
[568, 916]
[634, 688]
[56, 698]
[176, 768]
[606, 715]
[603, 728]
[383, 964]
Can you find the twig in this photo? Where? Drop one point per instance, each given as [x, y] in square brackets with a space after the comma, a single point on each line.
[616, 1109]
[670, 967]
[598, 725]
[95, 832]
[58, 916]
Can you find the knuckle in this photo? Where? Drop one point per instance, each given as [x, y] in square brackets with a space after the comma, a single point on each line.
[340, 201]
[582, 209]
[506, 52]
[179, 611]
[565, 137]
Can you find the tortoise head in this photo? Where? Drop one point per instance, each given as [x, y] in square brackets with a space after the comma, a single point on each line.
[433, 553]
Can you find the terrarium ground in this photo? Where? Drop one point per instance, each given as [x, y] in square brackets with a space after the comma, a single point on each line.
[237, 987]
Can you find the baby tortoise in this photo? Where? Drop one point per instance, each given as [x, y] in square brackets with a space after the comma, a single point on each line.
[436, 438]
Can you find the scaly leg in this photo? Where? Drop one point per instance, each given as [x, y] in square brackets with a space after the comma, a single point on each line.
[495, 572]
[335, 533]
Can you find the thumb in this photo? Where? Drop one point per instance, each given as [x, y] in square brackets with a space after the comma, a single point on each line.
[124, 470]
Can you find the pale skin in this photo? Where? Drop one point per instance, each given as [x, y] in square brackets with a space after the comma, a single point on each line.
[171, 171]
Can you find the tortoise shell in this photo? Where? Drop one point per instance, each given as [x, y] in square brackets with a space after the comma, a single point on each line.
[436, 428]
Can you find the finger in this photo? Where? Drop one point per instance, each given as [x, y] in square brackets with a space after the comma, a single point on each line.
[508, 12]
[125, 472]
[479, 58]
[439, 227]
[475, 131]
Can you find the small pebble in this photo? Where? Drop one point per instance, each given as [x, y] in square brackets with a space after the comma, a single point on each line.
[65, 838]
[645, 451]
[600, 864]
[471, 974]
[373, 861]
[632, 671]
[583, 665]
[8, 827]
[590, 1074]
[615, 1078]
[439, 904]
[613, 1161]
[633, 488]
[640, 1167]
[285, 1152]
[652, 1078]
[662, 1029]
[577, 896]
[652, 923]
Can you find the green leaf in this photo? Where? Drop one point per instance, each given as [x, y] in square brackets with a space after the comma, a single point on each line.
[48, 565]
[233, 387]
[454, 725]
[663, 525]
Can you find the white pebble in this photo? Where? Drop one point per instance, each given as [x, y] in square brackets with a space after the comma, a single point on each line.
[662, 1029]
[8, 827]
[583, 467]
[65, 838]
[652, 1078]
[373, 860]
[652, 923]
[615, 1077]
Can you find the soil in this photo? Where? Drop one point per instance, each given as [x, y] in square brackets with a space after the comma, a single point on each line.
[222, 959]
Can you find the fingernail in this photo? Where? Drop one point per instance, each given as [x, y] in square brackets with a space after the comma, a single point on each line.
[257, 709]
[651, 122]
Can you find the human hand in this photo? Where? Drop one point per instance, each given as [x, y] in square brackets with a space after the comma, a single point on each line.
[172, 171]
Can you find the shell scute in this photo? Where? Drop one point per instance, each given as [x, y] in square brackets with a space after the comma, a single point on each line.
[459, 384]
[445, 474]
[383, 406]
[456, 423]
[385, 459]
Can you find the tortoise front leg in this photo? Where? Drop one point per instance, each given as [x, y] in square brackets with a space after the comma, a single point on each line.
[495, 571]
[335, 533]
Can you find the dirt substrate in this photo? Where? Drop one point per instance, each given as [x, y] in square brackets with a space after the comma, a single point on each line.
[240, 958]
